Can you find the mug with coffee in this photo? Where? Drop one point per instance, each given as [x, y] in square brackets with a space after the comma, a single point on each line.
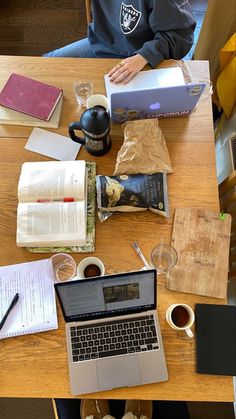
[180, 317]
[90, 267]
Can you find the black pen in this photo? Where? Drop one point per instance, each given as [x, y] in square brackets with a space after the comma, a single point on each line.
[11, 306]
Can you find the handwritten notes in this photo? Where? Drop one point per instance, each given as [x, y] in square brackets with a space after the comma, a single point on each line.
[36, 309]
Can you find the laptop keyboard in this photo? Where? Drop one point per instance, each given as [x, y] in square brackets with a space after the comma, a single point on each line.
[119, 337]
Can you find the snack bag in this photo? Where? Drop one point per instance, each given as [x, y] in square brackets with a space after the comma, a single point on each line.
[128, 193]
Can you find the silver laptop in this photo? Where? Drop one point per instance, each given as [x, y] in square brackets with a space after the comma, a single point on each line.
[153, 94]
[112, 331]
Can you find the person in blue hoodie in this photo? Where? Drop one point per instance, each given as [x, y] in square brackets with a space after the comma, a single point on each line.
[139, 32]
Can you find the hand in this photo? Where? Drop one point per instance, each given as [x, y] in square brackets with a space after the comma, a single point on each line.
[126, 69]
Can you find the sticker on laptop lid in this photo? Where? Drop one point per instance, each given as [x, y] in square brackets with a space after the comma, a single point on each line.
[194, 90]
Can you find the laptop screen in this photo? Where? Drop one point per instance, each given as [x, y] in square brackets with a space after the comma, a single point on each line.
[107, 296]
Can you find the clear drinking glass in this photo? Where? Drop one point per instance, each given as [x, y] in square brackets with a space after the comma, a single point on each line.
[64, 267]
[83, 90]
[164, 257]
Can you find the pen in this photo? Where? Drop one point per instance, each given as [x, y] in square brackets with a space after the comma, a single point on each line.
[57, 200]
[11, 306]
[137, 249]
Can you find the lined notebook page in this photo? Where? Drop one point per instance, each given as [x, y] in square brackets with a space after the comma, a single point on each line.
[35, 310]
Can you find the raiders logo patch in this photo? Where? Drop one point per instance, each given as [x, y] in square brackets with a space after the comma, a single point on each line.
[129, 18]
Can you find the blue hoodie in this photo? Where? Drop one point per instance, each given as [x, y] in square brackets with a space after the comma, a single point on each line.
[156, 29]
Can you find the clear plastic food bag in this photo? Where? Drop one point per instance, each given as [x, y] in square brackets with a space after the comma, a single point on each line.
[129, 193]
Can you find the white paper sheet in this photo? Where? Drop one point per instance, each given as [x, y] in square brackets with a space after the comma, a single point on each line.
[52, 145]
[35, 310]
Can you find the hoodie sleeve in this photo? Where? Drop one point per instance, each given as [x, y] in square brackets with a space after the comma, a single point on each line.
[173, 26]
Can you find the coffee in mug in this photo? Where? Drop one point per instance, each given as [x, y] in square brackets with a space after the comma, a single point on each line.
[180, 317]
[90, 267]
[92, 270]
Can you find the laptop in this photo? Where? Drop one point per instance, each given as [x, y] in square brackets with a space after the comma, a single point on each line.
[112, 331]
[153, 94]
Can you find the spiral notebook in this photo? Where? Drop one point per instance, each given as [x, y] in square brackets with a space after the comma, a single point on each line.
[35, 310]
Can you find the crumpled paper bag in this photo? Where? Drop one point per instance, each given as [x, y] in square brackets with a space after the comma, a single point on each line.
[144, 149]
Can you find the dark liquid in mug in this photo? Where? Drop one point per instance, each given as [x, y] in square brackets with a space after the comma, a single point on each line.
[180, 316]
[92, 270]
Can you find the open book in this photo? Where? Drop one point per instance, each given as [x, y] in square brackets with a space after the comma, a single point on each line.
[52, 205]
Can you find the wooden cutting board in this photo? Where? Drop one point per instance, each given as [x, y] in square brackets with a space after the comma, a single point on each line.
[202, 241]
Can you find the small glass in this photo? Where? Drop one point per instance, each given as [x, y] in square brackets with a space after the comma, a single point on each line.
[164, 257]
[83, 90]
[64, 267]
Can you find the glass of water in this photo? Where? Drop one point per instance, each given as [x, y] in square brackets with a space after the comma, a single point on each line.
[64, 267]
[83, 90]
[164, 257]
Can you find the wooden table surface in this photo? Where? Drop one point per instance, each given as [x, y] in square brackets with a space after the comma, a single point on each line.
[36, 365]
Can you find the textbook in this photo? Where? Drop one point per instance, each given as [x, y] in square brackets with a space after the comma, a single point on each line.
[52, 209]
[30, 97]
[10, 117]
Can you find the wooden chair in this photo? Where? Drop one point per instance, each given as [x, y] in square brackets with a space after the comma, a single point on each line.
[218, 26]
[55, 409]
[88, 11]
[227, 193]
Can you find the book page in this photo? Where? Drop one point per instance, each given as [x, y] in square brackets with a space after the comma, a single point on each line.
[35, 310]
[52, 181]
[51, 224]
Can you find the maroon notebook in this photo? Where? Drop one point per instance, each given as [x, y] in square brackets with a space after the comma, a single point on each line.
[29, 96]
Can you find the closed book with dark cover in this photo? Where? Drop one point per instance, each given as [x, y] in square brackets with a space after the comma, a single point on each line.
[30, 97]
[216, 339]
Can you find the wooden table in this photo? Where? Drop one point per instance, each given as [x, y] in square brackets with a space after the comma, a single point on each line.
[36, 365]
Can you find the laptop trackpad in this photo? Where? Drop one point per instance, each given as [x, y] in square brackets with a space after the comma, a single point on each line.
[118, 372]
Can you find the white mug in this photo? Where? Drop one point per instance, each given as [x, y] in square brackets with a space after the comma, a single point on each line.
[90, 267]
[181, 317]
[96, 100]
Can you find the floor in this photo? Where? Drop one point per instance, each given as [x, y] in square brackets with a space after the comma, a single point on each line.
[26, 409]
[42, 408]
